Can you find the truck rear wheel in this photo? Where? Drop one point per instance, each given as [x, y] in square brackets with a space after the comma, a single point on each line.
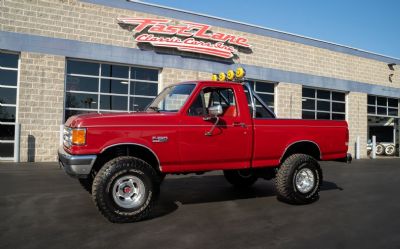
[240, 178]
[125, 189]
[298, 179]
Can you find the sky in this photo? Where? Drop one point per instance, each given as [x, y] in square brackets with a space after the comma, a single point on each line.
[371, 25]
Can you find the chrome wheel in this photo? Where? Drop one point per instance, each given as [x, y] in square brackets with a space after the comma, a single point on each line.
[129, 192]
[305, 180]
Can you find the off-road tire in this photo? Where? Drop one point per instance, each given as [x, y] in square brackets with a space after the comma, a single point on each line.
[110, 173]
[286, 188]
[240, 178]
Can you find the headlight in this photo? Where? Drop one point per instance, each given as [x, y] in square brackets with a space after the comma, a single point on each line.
[74, 136]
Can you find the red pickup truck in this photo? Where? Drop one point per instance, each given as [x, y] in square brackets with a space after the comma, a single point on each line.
[195, 127]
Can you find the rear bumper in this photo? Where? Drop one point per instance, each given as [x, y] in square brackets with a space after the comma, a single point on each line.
[76, 165]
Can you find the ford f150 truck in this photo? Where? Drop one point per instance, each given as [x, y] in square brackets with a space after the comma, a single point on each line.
[195, 127]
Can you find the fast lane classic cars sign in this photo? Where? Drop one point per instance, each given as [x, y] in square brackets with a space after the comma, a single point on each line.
[189, 36]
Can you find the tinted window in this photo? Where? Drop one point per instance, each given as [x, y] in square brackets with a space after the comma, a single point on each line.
[338, 107]
[323, 115]
[371, 109]
[81, 100]
[267, 98]
[337, 96]
[84, 84]
[393, 102]
[8, 96]
[114, 86]
[265, 87]
[112, 102]
[308, 104]
[322, 94]
[7, 132]
[7, 114]
[8, 77]
[115, 71]
[308, 92]
[144, 74]
[143, 88]
[371, 100]
[80, 67]
[308, 115]
[6, 150]
[9, 60]
[323, 105]
[381, 101]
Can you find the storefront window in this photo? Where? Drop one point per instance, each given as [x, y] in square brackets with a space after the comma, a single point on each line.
[382, 106]
[8, 103]
[266, 91]
[101, 87]
[323, 104]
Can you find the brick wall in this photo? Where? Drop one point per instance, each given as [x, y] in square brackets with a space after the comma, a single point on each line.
[358, 121]
[41, 99]
[288, 100]
[71, 19]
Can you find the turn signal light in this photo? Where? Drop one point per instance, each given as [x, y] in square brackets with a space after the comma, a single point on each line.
[78, 136]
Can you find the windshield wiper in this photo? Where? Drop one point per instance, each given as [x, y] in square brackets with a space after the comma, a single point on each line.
[154, 108]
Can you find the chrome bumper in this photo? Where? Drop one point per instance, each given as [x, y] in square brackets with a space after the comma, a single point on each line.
[76, 165]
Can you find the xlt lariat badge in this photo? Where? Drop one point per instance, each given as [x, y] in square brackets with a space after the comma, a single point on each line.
[159, 139]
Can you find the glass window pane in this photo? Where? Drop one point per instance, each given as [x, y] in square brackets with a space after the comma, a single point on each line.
[371, 109]
[8, 77]
[393, 102]
[81, 100]
[308, 92]
[139, 104]
[267, 98]
[382, 110]
[308, 115]
[111, 102]
[8, 60]
[251, 83]
[84, 84]
[322, 94]
[323, 106]
[381, 101]
[338, 96]
[8, 95]
[143, 88]
[308, 104]
[371, 100]
[7, 114]
[6, 150]
[7, 132]
[336, 116]
[323, 115]
[338, 107]
[115, 71]
[393, 112]
[69, 113]
[80, 67]
[114, 86]
[144, 74]
[265, 87]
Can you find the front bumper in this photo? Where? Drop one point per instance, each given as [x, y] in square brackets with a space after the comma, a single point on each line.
[76, 165]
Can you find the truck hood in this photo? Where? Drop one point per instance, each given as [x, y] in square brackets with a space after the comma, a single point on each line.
[117, 119]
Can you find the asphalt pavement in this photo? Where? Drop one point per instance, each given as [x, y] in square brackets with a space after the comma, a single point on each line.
[41, 207]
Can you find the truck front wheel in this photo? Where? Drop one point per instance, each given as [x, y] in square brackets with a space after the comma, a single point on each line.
[298, 179]
[125, 189]
[240, 178]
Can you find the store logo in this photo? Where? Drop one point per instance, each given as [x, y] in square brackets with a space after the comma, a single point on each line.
[189, 37]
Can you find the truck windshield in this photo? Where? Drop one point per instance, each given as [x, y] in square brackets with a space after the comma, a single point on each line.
[172, 98]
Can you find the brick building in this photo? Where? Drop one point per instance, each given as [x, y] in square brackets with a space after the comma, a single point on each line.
[62, 57]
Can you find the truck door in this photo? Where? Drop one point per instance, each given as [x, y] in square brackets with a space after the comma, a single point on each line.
[229, 145]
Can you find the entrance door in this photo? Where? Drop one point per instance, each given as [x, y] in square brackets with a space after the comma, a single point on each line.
[227, 146]
[8, 104]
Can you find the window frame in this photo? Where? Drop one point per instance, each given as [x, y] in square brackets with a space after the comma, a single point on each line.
[99, 77]
[387, 107]
[317, 99]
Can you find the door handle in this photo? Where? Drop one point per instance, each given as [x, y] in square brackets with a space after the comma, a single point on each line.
[239, 124]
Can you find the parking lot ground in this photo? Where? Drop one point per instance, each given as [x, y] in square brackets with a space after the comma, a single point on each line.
[41, 207]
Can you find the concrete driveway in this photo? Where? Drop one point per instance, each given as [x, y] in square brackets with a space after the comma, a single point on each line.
[41, 207]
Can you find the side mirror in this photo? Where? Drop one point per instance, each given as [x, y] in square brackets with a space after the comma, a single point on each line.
[215, 111]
